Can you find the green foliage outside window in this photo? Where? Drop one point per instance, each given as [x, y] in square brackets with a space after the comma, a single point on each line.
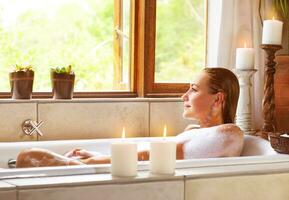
[61, 33]
[51, 33]
[180, 42]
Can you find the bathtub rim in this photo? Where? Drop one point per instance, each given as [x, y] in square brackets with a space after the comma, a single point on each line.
[188, 165]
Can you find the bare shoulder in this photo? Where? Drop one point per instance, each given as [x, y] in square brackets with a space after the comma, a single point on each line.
[233, 139]
[231, 129]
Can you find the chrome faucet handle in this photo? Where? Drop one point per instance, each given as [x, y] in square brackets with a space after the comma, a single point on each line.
[29, 127]
[36, 127]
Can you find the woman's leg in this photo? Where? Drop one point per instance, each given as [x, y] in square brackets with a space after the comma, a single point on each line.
[37, 157]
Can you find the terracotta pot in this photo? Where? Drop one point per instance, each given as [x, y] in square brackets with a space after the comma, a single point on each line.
[21, 83]
[62, 85]
[281, 87]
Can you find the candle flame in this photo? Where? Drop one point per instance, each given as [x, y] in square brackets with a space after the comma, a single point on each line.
[245, 44]
[165, 131]
[123, 132]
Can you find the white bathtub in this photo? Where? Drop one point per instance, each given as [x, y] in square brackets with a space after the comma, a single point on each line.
[255, 151]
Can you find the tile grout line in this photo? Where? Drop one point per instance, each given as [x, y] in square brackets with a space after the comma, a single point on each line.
[16, 188]
[185, 183]
[149, 121]
[37, 118]
[17, 193]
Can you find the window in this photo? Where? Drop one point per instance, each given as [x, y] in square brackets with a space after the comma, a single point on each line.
[180, 39]
[162, 49]
[52, 33]
[116, 47]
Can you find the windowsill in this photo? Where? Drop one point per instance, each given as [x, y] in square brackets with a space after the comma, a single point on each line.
[93, 95]
[90, 100]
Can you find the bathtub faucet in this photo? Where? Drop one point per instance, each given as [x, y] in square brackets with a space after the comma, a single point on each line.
[29, 127]
[11, 163]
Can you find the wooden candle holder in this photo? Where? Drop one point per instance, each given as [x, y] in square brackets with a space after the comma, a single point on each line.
[268, 103]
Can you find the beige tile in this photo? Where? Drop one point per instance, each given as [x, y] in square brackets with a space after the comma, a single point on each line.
[88, 179]
[257, 187]
[9, 195]
[6, 186]
[169, 113]
[7, 191]
[12, 116]
[73, 120]
[169, 190]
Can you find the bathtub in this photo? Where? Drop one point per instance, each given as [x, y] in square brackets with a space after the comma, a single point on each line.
[255, 151]
[260, 173]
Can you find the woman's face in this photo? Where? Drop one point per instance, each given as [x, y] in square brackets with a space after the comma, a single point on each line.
[197, 100]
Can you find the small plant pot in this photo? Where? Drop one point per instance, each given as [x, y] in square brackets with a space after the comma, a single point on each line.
[21, 83]
[62, 85]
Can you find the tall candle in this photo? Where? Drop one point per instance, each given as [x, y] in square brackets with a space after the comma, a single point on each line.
[123, 158]
[272, 32]
[245, 58]
[163, 156]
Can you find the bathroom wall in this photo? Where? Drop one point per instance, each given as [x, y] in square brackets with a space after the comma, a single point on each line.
[7, 191]
[188, 184]
[281, 87]
[91, 118]
[257, 187]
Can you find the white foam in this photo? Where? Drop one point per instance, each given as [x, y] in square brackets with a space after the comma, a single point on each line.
[208, 142]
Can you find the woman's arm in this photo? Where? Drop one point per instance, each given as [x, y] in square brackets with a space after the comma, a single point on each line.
[142, 156]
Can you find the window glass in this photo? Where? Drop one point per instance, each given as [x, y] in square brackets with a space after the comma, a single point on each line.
[50, 33]
[180, 39]
[126, 42]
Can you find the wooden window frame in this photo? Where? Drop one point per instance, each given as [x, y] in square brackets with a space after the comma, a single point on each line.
[142, 58]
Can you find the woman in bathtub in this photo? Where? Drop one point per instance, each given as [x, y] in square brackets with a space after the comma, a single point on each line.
[211, 99]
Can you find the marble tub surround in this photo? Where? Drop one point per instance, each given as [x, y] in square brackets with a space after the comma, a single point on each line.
[101, 187]
[169, 113]
[92, 118]
[86, 181]
[13, 113]
[90, 179]
[7, 191]
[257, 187]
[210, 182]
[184, 166]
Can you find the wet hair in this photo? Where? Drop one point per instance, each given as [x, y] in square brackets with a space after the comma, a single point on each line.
[225, 81]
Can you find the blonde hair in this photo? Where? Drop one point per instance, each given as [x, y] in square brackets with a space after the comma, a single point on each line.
[225, 81]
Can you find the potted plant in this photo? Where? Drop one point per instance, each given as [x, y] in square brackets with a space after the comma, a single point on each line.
[62, 79]
[21, 82]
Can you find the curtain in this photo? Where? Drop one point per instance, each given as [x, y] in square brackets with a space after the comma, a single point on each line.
[230, 24]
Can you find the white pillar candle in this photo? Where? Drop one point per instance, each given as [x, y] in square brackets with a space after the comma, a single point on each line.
[272, 32]
[245, 58]
[124, 158]
[163, 156]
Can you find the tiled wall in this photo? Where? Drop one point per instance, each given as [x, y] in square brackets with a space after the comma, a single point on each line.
[12, 114]
[86, 119]
[142, 191]
[7, 191]
[255, 186]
